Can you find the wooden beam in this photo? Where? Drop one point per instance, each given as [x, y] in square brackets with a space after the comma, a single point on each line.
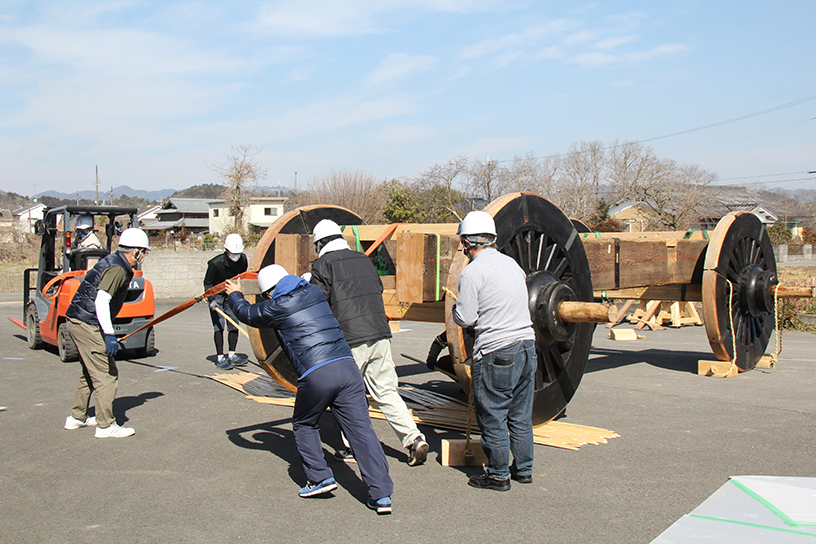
[453, 453]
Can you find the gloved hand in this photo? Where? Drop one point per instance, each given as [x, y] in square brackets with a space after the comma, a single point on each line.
[213, 305]
[111, 345]
[306, 276]
[431, 362]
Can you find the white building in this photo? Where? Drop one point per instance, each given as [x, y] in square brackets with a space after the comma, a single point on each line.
[26, 217]
[262, 212]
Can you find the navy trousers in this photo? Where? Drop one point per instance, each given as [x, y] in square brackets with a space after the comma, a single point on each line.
[339, 385]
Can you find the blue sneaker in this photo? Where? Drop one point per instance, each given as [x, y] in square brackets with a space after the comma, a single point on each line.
[224, 363]
[320, 488]
[237, 361]
[382, 506]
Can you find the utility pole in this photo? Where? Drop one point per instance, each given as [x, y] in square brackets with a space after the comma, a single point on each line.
[111, 202]
[96, 201]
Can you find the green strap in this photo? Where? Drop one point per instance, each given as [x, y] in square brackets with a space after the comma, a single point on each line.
[438, 258]
[357, 236]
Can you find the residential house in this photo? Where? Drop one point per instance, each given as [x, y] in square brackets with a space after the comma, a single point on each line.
[27, 216]
[178, 218]
[149, 215]
[724, 199]
[261, 213]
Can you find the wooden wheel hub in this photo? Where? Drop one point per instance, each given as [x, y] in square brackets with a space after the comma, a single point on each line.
[545, 297]
[756, 290]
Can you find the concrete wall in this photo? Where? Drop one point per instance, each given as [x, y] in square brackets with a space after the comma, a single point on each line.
[782, 255]
[178, 274]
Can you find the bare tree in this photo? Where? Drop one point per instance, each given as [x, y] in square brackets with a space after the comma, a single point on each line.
[528, 173]
[240, 175]
[486, 180]
[673, 194]
[357, 191]
[579, 179]
[439, 190]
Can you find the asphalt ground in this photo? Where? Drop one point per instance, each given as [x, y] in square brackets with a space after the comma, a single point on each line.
[208, 466]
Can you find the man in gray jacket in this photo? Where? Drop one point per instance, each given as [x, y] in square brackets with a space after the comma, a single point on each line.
[350, 283]
[493, 300]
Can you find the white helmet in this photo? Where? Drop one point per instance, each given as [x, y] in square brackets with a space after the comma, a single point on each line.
[234, 243]
[477, 223]
[134, 238]
[84, 222]
[324, 229]
[269, 276]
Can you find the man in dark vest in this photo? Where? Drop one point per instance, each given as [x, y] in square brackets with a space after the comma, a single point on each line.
[222, 267]
[96, 302]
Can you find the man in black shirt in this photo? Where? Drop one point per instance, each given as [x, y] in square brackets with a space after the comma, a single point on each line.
[227, 265]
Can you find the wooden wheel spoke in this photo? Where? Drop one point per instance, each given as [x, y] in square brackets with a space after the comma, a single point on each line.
[562, 266]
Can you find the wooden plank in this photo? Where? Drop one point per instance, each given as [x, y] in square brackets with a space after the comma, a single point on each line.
[287, 252]
[720, 369]
[624, 334]
[453, 453]
[410, 263]
[447, 246]
[601, 256]
[690, 292]
[643, 262]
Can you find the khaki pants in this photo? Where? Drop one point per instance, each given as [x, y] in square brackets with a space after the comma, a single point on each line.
[380, 376]
[99, 374]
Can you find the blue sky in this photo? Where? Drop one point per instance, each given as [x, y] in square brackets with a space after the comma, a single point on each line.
[152, 92]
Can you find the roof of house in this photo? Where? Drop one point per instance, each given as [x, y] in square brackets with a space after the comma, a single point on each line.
[189, 222]
[186, 205]
[723, 199]
[254, 200]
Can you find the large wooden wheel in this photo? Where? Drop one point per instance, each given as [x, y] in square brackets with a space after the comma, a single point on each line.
[264, 342]
[543, 241]
[740, 273]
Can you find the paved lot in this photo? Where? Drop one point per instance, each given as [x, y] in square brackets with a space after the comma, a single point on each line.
[208, 466]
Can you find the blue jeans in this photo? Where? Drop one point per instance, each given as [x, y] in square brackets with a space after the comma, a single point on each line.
[503, 390]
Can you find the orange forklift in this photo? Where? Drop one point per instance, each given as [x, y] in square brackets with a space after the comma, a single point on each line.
[62, 267]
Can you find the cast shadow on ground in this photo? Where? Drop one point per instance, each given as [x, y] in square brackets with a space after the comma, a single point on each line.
[121, 405]
[678, 361]
[280, 441]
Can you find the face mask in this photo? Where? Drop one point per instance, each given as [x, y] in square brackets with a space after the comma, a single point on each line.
[233, 256]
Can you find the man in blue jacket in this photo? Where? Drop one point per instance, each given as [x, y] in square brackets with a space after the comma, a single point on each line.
[327, 377]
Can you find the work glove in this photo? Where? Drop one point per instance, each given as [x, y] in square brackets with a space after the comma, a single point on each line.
[111, 345]
[213, 305]
[307, 276]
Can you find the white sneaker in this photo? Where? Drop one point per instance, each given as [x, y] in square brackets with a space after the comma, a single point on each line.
[114, 431]
[72, 423]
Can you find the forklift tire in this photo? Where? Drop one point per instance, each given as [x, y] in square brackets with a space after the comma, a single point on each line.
[150, 344]
[65, 345]
[32, 324]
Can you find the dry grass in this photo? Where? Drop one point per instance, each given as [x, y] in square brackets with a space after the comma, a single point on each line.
[11, 277]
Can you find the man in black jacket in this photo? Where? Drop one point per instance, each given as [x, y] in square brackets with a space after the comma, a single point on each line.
[327, 376]
[350, 283]
[222, 267]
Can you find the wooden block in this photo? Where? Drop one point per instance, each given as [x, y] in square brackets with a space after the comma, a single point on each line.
[623, 334]
[453, 453]
[766, 361]
[394, 326]
[720, 369]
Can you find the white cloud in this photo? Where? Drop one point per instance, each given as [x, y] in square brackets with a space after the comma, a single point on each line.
[529, 37]
[611, 43]
[399, 65]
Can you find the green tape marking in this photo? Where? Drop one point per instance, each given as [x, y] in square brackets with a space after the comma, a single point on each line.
[755, 525]
[779, 513]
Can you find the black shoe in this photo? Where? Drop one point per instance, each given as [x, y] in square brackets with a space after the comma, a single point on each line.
[487, 482]
[418, 452]
[520, 478]
[344, 456]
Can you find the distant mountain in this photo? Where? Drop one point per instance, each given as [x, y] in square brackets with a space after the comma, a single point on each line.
[153, 196]
[215, 191]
